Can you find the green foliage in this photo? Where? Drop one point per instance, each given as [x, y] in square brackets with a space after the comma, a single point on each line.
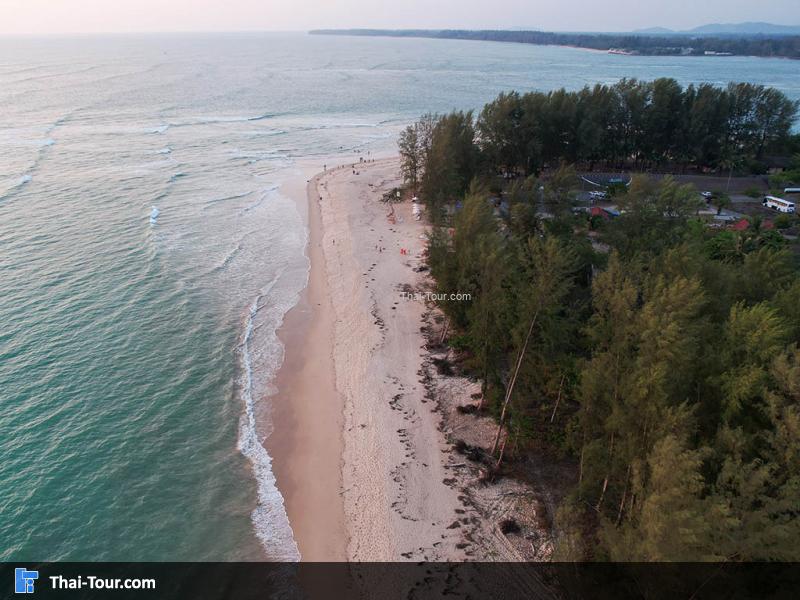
[450, 163]
[654, 216]
[673, 521]
[753, 192]
[753, 335]
[648, 45]
[784, 221]
[629, 123]
[414, 145]
[557, 192]
[668, 366]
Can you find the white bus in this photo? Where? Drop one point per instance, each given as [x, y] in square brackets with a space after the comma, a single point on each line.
[792, 190]
[778, 204]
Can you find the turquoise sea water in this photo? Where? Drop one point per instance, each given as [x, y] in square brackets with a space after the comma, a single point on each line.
[136, 353]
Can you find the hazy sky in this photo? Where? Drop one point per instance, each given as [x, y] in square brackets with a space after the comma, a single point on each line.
[70, 16]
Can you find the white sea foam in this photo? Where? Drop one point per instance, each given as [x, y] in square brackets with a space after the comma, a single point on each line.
[260, 357]
[229, 257]
[161, 129]
[269, 517]
[164, 150]
[214, 119]
[231, 197]
[265, 132]
[266, 193]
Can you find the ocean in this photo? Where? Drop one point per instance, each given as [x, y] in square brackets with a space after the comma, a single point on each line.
[148, 254]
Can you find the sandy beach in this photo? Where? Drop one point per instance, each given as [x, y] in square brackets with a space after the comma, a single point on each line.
[364, 426]
[307, 441]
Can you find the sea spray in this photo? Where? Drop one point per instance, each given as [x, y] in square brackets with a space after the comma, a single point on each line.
[269, 517]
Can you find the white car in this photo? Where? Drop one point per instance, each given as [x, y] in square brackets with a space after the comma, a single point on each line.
[707, 195]
[598, 195]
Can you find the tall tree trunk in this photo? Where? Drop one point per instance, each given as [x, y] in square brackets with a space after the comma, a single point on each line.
[558, 399]
[608, 474]
[602, 494]
[624, 496]
[484, 384]
[502, 453]
[510, 389]
[444, 330]
[483, 388]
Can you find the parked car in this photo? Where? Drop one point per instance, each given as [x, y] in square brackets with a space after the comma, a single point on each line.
[598, 195]
[707, 195]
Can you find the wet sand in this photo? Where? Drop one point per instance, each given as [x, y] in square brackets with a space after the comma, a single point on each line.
[307, 411]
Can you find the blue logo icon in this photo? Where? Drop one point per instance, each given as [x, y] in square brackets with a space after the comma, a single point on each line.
[23, 580]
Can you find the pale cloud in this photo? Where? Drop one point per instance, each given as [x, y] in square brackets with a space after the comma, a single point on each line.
[70, 16]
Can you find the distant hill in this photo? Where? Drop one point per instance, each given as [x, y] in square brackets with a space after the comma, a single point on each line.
[749, 28]
[654, 31]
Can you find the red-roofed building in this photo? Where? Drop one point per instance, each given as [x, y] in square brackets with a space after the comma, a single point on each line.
[596, 211]
[605, 212]
[744, 224]
[741, 225]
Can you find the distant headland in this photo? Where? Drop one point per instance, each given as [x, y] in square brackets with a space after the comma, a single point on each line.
[744, 39]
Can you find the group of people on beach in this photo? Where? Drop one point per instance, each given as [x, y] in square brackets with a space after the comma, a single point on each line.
[361, 160]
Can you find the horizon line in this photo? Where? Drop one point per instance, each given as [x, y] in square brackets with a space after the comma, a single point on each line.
[642, 30]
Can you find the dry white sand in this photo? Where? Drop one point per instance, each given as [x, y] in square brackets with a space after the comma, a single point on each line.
[395, 501]
[360, 447]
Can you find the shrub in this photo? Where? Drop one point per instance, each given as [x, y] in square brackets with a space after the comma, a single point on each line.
[753, 192]
[783, 221]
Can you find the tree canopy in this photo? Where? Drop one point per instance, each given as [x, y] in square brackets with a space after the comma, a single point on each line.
[661, 356]
[630, 124]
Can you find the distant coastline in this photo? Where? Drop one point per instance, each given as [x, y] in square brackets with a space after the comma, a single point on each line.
[637, 44]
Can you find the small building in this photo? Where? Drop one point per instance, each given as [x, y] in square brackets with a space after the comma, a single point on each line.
[744, 224]
[741, 225]
[606, 213]
[777, 164]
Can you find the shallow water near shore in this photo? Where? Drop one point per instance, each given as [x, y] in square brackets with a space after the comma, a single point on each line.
[149, 252]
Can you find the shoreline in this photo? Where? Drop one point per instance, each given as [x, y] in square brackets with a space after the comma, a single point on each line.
[306, 441]
[365, 435]
[573, 46]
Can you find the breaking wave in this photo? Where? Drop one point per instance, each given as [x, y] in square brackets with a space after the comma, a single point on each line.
[269, 517]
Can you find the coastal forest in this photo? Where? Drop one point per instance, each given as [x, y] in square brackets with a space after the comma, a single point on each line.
[656, 355]
[786, 46]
